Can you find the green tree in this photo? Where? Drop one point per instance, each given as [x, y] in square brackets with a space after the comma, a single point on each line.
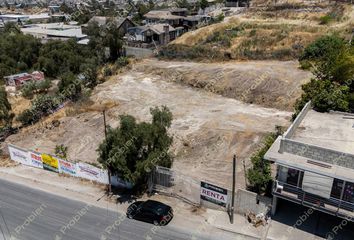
[203, 4]
[6, 115]
[332, 59]
[132, 149]
[113, 40]
[259, 175]
[183, 4]
[70, 86]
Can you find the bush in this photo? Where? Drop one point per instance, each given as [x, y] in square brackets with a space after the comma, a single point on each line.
[43, 105]
[305, 65]
[107, 72]
[122, 62]
[27, 117]
[325, 19]
[259, 175]
[323, 47]
[32, 87]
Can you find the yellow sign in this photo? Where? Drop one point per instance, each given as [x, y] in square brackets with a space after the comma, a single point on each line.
[50, 163]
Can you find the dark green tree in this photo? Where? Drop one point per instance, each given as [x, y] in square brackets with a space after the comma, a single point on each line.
[332, 60]
[70, 86]
[133, 149]
[6, 115]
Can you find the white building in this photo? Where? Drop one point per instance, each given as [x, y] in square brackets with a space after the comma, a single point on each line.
[54, 31]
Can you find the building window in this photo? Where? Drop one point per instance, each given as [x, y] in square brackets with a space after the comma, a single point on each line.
[337, 188]
[348, 194]
[293, 177]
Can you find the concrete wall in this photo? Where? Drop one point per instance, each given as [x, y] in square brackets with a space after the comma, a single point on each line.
[318, 153]
[246, 201]
[291, 130]
[138, 52]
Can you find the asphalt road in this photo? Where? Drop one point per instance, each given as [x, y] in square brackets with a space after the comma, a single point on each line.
[29, 214]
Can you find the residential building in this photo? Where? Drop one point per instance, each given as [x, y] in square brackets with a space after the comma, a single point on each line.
[18, 18]
[164, 16]
[152, 35]
[315, 162]
[192, 22]
[123, 24]
[20, 79]
[54, 31]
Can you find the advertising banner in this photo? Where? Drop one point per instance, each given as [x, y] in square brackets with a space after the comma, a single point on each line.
[92, 173]
[35, 159]
[19, 155]
[67, 167]
[50, 163]
[214, 194]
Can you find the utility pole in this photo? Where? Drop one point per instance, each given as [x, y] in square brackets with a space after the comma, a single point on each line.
[105, 136]
[233, 188]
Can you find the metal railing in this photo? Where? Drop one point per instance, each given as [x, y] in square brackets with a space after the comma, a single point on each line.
[331, 205]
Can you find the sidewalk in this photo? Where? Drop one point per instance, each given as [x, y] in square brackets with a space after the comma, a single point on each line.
[240, 226]
[191, 219]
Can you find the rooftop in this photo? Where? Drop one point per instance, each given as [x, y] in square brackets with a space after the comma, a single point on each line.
[162, 14]
[55, 29]
[334, 130]
[157, 28]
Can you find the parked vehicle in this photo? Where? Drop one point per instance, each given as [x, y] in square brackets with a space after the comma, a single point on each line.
[150, 211]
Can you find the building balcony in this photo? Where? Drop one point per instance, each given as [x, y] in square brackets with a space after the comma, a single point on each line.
[331, 206]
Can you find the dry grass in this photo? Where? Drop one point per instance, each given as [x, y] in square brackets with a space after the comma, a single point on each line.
[272, 32]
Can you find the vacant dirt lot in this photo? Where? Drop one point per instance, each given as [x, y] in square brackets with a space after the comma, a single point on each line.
[207, 128]
[267, 83]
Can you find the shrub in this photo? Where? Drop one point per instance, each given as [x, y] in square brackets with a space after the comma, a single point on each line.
[305, 65]
[259, 175]
[325, 19]
[107, 72]
[122, 62]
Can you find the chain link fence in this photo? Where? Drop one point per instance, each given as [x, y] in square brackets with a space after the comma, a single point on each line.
[173, 183]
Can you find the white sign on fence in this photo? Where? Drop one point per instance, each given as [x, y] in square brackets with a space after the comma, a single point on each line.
[67, 167]
[92, 173]
[213, 194]
[36, 159]
[19, 155]
[48, 162]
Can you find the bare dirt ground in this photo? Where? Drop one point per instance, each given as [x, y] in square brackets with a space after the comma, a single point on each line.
[267, 83]
[207, 128]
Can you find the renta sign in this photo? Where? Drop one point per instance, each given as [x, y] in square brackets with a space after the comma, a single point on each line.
[214, 194]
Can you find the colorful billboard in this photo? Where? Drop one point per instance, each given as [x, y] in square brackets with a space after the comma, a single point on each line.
[35, 159]
[50, 163]
[19, 155]
[67, 167]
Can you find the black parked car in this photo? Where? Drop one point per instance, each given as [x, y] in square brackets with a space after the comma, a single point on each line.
[150, 211]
